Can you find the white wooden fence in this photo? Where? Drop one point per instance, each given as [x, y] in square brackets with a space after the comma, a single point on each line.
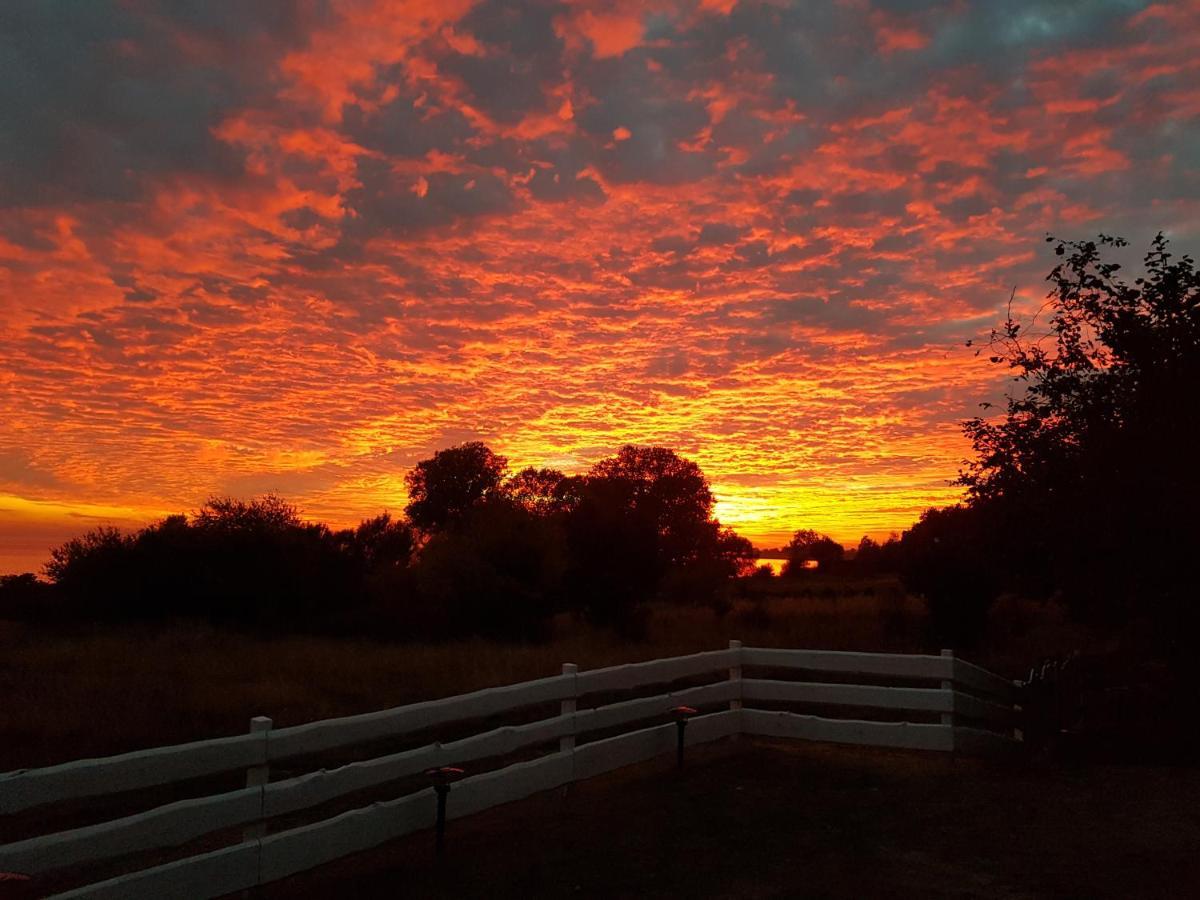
[967, 708]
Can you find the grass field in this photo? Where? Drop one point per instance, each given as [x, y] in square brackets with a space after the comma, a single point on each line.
[106, 691]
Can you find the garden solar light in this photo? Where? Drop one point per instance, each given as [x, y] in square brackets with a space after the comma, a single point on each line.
[441, 777]
[680, 714]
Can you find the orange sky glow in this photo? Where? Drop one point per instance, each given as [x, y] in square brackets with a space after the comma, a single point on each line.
[297, 246]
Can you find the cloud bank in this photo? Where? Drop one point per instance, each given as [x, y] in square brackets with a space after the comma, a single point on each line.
[298, 245]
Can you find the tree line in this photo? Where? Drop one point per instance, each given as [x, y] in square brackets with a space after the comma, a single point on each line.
[480, 550]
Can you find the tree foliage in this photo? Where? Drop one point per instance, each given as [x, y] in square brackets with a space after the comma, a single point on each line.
[444, 487]
[1088, 477]
[538, 491]
[807, 545]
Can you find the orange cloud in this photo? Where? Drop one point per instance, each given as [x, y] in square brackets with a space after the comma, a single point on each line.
[758, 233]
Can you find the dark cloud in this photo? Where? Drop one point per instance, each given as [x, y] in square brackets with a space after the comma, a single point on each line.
[387, 203]
[95, 97]
[401, 127]
[521, 59]
[716, 233]
[654, 122]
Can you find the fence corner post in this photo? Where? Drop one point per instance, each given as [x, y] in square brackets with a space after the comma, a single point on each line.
[948, 687]
[258, 776]
[569, 706]
[735, 676]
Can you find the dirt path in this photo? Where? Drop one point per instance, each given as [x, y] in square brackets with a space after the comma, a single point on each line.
[781, 819]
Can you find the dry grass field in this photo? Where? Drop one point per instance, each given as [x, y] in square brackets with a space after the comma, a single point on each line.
[91, 693]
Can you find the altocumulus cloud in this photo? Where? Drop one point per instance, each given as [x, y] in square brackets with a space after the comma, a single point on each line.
[301, 243]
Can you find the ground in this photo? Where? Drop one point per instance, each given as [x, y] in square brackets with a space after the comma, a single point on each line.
[761, 818]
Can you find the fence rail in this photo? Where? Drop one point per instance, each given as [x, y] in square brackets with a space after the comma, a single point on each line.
[964, 694]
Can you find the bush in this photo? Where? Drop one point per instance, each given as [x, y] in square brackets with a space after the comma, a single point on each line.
[25, 599]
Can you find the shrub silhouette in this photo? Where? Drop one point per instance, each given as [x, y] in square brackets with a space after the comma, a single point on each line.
[806, 545]
[24, 598]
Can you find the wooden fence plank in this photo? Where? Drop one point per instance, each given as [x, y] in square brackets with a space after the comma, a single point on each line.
[515, 782]
[330, 734]
[179, 822]
[883, 664]
[299, 849]
[612, 753]
[28, 788]
[909, 699]
[979, 741]
[655, 671]
[644, 707]
[165, 826]
[310, 790]
[844, 731]
[975, 708]
[985, 682]
[315, 788]
[200, 877]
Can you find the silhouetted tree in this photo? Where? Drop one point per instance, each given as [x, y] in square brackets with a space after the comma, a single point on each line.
[90, 571]
[640, 524]
[706, 578]
[441, 489]
[269, 514]
[806, 545]
[1089, 476]
[874, 557]
[948, 558]
[24, 598]
[614, 565]
[381, 542]
[536, 490]
[667, 489]
[497, 571]
[240, 562]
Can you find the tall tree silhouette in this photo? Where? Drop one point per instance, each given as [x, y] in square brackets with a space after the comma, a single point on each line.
[667, 490]
[442, 488]
[1089, 475]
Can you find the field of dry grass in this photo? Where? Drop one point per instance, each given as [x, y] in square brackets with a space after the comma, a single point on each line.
[94, 693]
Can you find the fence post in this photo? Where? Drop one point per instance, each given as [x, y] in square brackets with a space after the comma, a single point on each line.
[258, 776]
[567, 744]
[948, 686]
[735, 674]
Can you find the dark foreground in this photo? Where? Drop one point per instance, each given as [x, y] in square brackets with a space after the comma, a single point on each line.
[760, 818]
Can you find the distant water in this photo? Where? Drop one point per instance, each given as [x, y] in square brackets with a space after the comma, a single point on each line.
[775, 564]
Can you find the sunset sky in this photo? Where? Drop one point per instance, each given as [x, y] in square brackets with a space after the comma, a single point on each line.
[297, 246]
